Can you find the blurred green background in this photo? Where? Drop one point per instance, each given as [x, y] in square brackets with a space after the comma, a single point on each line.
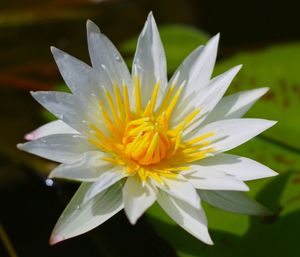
[264, 36]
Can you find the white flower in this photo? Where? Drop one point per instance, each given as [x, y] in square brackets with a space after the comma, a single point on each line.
[134, 140]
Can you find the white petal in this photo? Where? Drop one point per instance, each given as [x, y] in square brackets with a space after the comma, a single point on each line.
[211, 94]
[211, 179]
[79, 217]
[197, 68]
[104, 181]
[240, 167]
[65, 148]
[180, 188]
[77, 75]
[137, 197]
[191, 219]
[53, 127]
[104, 56]
[231, 133]
[233, 201]
[63, 105]
[235, 105]
[149, 60]
[88, 167]
[186, 68]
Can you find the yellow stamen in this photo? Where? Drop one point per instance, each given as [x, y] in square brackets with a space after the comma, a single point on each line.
[126, 103]
[137, 91]
[196, 147]
[119, 100]
[148, 159]
[154, 96]
[173, 103]
[200, 138]
[166, 100]
[109, 124]
[112, 107]
[189, 118]
[138, 121]
[147, 111]
[177, 142]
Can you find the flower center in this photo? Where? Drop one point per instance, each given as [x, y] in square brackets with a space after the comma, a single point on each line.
[141, 138]
[146, 141]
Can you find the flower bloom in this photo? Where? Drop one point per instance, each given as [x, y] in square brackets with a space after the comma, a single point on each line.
[136, 139]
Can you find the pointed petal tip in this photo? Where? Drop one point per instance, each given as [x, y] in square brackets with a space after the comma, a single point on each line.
[236, 68]
[132, 221]
[54, 239]
[270, 173]
[211, 46]
[150, 15]
[259, 92]
[217, 36]
[214, 40]
[92, 27]
[271, 123]
[264, 89]
[273, 173]
[20, 146]
[204, 236]
[29, 136]
[239, 66]
[34, 93]
[233, 71]
[151, 20]
[131, 218]
[55, 51]
[207, 240]
[52, 49]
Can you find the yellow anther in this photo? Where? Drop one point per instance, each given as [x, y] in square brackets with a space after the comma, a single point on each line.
[126, 103]
[154, 96]
[166, 100]
[173, 103]
[200, 138]
[137, 91]
[119, 101]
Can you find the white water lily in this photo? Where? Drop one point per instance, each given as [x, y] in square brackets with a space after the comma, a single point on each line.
[136, 139]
